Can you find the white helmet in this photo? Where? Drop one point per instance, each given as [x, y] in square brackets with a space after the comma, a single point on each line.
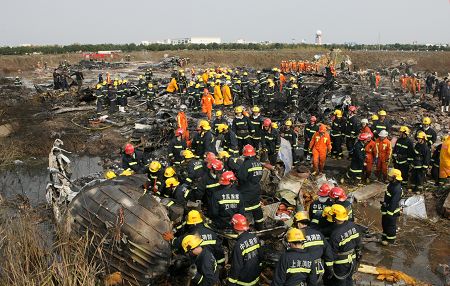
[383, 133]
[364, 121]
[183, 107]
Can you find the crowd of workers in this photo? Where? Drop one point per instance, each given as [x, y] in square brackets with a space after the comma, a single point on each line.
[222, 163]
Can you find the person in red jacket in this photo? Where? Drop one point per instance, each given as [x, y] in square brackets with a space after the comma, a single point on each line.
[320, 146]
[371, 153]
[384, 152]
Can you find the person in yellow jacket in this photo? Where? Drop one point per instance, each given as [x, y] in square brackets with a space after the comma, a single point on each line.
[226, 93]
[173, 86]
[444, 164]
[218, 98]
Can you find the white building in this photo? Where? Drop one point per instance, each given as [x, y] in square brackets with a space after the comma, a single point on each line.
[195, 40]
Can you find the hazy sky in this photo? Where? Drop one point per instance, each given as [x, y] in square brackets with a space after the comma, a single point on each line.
[114, 21]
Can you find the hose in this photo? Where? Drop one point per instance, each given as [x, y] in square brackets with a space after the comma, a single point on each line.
[350, 272]
[89, 128]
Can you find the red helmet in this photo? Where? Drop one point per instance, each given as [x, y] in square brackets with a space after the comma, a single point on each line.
[239, 222]
[352, 108]
[364, 136]
[227, 178]
[129, 149]
[267, 122]
[313, 119]
[322, 128]
[324, 190]
[179, 132]
[338, 193]
[216, 165]
[249, 151]
[209, 157]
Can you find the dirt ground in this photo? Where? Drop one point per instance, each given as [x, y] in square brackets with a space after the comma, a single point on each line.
[426, 61]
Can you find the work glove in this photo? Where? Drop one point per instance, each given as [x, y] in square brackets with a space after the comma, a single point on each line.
[168, 236]
[358, 254]
[192, 271]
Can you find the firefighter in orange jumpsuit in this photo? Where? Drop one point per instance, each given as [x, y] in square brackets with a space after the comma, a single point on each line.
[207, 103]
[371, 153]
[365, 128]
[377, 80]
[182, 122]
[384, 152]
[320, 146]
[403, 80]
[412, 84]
[282, 81]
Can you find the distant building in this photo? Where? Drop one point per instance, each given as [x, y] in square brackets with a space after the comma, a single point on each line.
[196, 40]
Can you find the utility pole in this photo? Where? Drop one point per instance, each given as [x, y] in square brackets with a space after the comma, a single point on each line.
[379, 41]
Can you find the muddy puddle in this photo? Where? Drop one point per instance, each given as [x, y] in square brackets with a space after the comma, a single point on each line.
[421, 246]
[30, 179]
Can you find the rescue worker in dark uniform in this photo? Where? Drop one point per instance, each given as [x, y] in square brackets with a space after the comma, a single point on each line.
[249, 176]
[310, 129]
[209, 183]
[256, 122]
[192, 169]
[381, 124]
[431, 135]
[206, 272]
[337, 135]
[217, 121]
[254, 90]
[315, 244]
[155, 178]
[288, 133]
[150, 94]
[355, 172]
[99, 99]
[351, 129]
[176, 146]
[226, 202]
[180, 194]
[236, 90]
[241, 127]
[204, 140]
[245, 82]
[112, 98]
[132, 160]
[296, 265]
[338, 196]
[403, 153]
[229, 140]
[390, 206]
[270, 93]
[270, 141]
[246, 255]
[345, 242]
[421, 162]
[318, 205]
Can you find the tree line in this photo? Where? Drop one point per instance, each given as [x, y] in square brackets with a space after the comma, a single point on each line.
[74, 48]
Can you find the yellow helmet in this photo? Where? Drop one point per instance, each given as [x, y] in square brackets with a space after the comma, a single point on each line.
[295, 235]
[116, 83]
[222, 127]
[301, 215]
[190, 242]
[98, 86]
[238, 81]
[120, 81]
[245, 73]
[197, 85]
[104, 82]
[204, 125]
[169, 172]
[374, 117]
[382, 113]
[338, 113]
[224, 154]
[294, 86]
[426, 120]
[150, 85]
[110, 175]
[238, 109]
[154, 166]
[404, 129]
[288, 122]
[219, 113]
[340, 212]
[292, 78]
[141, 76]
[271, 84]
[191, 83]
[194, 217]
[328, 213]
[172, 182]
[212, 84]
[274, 125]
[421, 135]
[127, 172]
[256, 109]
[395, 173]
[125, 81]
[188, 154]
